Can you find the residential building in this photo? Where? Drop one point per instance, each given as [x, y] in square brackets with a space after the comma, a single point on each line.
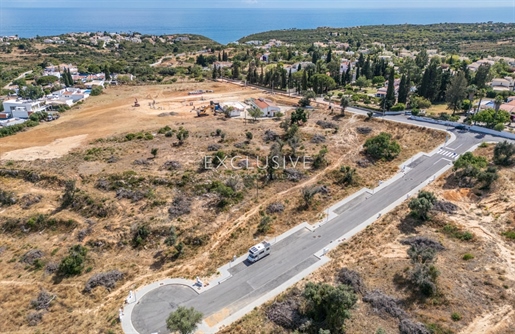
[222, 64]
[502, 84]
[236, 108]
[268, 107]
[20, 108]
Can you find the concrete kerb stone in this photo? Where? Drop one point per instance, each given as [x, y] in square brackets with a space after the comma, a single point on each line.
[321, 254]
[224, 270]
[126, 321]
[269, 296]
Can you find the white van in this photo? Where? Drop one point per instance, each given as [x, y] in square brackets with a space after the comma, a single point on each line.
[259, 251]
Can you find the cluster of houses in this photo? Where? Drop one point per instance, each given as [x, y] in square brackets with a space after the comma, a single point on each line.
[19, 108]
[103, 37]
[16, 108]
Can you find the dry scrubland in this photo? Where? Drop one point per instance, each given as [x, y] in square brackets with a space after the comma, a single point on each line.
[152, 218]
[477, 288]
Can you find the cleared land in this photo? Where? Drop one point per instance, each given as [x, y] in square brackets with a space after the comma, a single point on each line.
[154, 217]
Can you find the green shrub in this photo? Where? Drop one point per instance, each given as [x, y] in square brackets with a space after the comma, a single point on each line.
[455, 316]
[509, 234]
[468, 256]
[455, 232]
[73, 264]
[382, 147]
[95, 91]
[398, 107]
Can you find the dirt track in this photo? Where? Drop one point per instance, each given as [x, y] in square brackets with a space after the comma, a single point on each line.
[112, 114]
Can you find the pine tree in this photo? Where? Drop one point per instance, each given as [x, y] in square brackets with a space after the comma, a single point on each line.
[390, 91]
[456, 91]
[403, 90]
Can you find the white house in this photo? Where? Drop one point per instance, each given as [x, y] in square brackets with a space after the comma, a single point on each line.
[222, 64]
[268, 108]
[73, 94]
[502, 83]
[237, 108]
[23, 108]
[93, 83]
[344, 65]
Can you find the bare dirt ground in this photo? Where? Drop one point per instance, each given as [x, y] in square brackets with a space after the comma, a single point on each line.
[55, 149]
[480, 290]
[120, 189]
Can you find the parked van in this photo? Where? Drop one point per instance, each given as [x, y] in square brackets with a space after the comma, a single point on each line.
[258, 251]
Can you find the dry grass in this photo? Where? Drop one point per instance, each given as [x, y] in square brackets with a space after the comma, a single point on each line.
[224, 233]
[480, 290]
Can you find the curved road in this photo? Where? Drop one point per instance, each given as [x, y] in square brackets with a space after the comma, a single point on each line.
[294, 256]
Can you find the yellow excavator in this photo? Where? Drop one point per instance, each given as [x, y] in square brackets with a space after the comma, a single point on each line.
[203, 111]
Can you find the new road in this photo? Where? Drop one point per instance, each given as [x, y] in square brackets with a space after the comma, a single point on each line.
[294, 256]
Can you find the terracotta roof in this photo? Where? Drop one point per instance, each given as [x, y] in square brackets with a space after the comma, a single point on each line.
[262, 103]
[507, 107]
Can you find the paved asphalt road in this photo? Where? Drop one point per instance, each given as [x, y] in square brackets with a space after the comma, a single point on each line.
[295, 253]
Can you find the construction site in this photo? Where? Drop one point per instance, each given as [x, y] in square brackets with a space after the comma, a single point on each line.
[120, 175]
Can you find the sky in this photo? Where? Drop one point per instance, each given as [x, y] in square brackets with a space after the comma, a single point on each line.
[292, 4]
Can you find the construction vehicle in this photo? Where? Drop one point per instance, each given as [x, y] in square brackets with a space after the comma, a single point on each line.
[136, 104]
[203, 111]
[216, 106]
[259, 251]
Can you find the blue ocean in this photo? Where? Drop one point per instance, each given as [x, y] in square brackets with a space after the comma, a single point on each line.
[226, 25]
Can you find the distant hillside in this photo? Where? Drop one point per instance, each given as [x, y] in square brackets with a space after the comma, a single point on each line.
[451, 37]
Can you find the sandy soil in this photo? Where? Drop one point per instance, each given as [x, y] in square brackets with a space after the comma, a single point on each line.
[112, 113]
[55, 149]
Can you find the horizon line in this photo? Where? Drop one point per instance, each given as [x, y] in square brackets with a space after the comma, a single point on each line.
[288, 8]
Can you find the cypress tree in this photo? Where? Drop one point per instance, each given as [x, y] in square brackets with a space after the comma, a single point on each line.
[390, 91]
[361, 60]
[348, 75]
[329, 56]
[366, 69]
[357, 72]
[304, 81]
[65, 78]
[70, 78]
[314, 58]
[107, 73]
[403, 90]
